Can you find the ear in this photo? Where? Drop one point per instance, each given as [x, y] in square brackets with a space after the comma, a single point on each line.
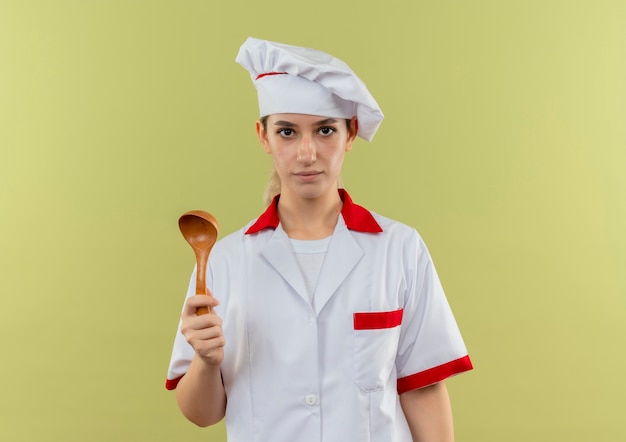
[354, 129]
[262, 134]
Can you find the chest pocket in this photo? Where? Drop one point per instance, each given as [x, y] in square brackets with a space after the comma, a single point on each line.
[376, 336]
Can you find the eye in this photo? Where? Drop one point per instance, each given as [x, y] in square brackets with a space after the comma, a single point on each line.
[285, 132]
[326, 131]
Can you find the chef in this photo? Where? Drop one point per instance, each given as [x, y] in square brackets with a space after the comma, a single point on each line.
[327, 321]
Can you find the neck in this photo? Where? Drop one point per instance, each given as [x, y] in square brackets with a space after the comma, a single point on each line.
[309, 218]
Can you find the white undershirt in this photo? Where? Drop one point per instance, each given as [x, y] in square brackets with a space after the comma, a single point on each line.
[310, 256]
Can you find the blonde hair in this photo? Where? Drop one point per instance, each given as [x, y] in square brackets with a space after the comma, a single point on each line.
[272, 188]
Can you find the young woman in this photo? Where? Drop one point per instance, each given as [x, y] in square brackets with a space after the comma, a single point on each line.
[331, 323]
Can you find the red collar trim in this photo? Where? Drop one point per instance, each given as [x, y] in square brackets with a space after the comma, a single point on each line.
[356, 217]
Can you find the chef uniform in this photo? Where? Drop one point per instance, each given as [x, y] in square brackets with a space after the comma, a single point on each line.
[324, 355]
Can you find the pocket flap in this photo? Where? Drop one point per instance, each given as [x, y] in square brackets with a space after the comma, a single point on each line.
[377, 320]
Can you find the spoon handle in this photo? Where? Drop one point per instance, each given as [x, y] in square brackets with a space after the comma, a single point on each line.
[201, 262]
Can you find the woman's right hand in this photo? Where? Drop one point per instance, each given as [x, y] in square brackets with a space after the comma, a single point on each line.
[204, 332]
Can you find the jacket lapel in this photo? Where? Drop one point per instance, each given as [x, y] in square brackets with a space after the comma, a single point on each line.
[279, 254]
[342, 256]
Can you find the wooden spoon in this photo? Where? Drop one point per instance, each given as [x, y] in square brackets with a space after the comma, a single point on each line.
[200, 229]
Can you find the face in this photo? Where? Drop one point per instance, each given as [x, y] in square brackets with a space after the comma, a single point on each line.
[307, 151]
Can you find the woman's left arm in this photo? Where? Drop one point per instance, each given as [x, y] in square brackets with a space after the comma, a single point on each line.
[429, 413]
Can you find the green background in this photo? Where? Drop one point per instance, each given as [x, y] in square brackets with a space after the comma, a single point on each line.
[504, 144]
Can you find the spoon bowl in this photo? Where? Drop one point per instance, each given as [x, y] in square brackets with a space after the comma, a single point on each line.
[200, 230]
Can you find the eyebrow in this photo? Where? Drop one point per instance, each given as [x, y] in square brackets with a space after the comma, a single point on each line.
[317, 123]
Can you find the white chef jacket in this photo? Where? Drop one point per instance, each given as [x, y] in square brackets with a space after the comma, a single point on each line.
[332, 369]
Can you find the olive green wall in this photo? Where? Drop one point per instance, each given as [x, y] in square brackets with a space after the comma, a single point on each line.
[504, 143]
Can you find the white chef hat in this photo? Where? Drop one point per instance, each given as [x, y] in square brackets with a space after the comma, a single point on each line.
[291, 79]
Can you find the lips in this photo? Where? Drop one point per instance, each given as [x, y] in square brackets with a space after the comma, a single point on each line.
[308, 175]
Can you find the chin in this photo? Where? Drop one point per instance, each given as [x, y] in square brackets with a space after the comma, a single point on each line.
[309, 195]
[315, 192]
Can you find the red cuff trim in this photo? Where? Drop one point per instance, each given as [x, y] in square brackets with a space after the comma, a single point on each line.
[377, 320]
[434, 375]
[171, 384]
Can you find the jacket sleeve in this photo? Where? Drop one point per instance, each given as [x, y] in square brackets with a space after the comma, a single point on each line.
[431, 347]
[182, 352]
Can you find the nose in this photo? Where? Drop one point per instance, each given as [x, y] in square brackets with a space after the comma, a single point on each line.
[306, 153]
